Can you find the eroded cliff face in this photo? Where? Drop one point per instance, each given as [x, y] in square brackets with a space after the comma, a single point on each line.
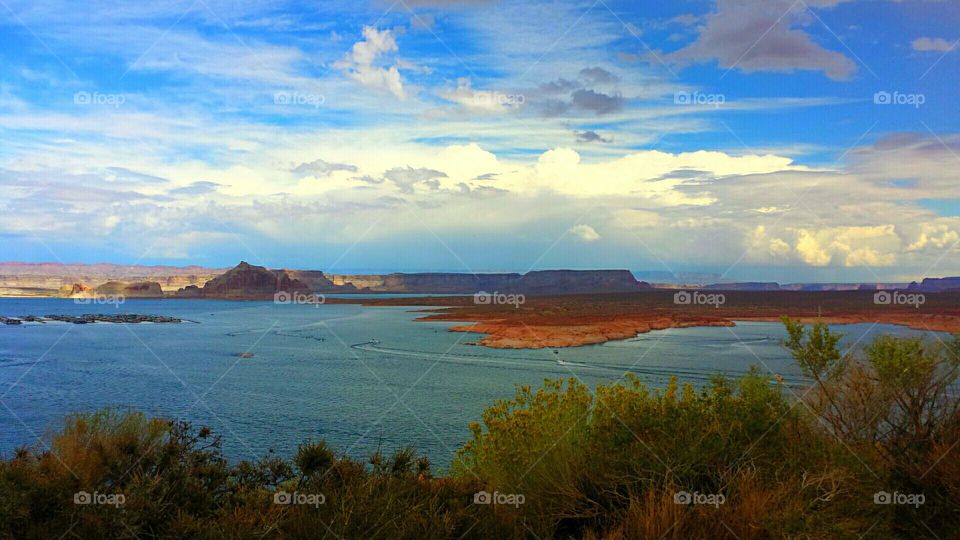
[143, 289]
[75, 290]
[319, 282]
[248, 281]
[360, 281]
[46, 279]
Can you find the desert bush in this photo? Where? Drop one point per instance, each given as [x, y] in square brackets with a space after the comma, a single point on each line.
[535, 446]
[895, 405]
[150, 472]
[175, 483]
[611, 459]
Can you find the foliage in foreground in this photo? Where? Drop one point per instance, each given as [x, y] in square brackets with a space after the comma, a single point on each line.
[745, 458]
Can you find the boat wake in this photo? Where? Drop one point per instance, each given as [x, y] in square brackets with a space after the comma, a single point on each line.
[560, 366]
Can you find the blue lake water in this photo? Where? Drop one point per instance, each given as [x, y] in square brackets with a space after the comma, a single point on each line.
[317, 374]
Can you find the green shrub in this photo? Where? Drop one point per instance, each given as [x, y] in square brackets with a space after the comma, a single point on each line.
[895, 407]
[597, 460]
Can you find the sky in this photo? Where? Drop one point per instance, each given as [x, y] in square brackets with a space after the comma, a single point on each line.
[774, 140]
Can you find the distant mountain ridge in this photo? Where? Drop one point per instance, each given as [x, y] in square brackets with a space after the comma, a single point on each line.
[533, 282]
[248, 281]
[745, 286]
[77, 280]
[46, 279]
[107, 269]
[664, 279]
[936, 284]
[808, 287]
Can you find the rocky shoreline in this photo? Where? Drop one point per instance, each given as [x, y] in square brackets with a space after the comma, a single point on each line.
[90, 318]
[576, 320]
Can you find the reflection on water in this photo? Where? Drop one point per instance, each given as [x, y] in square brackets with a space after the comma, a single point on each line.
[357, 377]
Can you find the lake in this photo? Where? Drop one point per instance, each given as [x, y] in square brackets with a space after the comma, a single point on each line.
[359, 377]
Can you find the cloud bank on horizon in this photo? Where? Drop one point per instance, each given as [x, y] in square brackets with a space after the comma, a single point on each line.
[758, 139]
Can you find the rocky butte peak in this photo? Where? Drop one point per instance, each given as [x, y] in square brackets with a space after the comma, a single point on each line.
[247, 281]
[579, 282]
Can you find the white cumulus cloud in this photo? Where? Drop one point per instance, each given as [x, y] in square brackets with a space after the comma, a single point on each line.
[359, 62]
[926, 44]
[584, 232]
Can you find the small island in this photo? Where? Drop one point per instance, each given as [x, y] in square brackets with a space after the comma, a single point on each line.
[90, 318]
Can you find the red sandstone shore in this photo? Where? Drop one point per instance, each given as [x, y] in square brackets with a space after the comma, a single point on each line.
[575, 320]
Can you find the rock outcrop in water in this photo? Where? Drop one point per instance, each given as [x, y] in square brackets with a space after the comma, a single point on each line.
[246, 281]
[90, 318]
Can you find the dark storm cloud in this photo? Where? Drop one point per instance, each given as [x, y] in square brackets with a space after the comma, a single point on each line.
[591, 136]
[597, 102]
[598, 75]
[763, 35]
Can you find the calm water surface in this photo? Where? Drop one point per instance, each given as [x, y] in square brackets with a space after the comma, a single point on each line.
[358, 377]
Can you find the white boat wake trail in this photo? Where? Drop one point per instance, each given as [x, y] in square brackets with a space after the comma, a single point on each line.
[556, 365]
